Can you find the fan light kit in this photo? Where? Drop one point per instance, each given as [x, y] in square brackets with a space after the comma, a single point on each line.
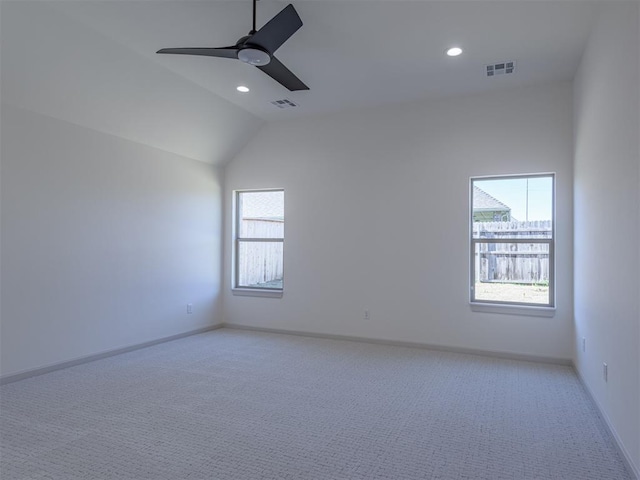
[253, 56]
[454, 51]
[242, 88]
[257, 48]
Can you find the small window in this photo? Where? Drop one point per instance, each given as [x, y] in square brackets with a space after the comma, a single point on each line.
[259, 240]
[512, 240]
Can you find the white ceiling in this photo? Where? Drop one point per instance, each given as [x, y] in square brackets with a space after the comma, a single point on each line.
[100, 57]
[58, 67]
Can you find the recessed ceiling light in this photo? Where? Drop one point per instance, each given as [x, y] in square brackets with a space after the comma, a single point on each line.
[454, 51]
[242, 88]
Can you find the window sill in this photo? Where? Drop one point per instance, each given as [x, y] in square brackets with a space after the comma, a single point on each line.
[254, 292]
[513, 309]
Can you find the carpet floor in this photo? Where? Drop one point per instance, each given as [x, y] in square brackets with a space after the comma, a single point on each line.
[231, 404]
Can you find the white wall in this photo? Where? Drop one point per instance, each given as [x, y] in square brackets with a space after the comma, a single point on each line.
[104, 242]
[607, 234]
[377, 205]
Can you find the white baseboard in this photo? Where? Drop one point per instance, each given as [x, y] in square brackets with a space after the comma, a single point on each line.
[400, 343]
[14, 377]
[633, 469]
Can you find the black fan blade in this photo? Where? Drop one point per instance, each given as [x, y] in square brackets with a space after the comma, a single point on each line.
[281, 74]
[277, 30]
[226, 52]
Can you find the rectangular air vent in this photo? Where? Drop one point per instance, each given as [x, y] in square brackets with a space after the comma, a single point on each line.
[284, 103]
[501, 68]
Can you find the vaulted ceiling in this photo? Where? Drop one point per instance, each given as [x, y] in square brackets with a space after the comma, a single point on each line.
[93, 62]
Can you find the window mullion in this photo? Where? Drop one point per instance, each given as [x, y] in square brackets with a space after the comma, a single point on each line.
[512, 240]
[252, 239]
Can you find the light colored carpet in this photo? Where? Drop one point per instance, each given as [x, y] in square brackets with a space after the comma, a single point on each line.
[232, 404]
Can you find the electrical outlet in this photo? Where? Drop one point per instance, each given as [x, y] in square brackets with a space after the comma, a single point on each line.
[605, 372]
[584, 344]
[366, 315]
[189, 308]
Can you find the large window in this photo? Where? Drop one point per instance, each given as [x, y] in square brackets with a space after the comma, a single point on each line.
[512, 240]
[259, 240]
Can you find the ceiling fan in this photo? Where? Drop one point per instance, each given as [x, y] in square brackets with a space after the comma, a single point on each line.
[257, 48]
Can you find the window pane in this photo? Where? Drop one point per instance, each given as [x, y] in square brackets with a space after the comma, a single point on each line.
[513, 208]
[260, 264]
[261, 214]
[512, 272]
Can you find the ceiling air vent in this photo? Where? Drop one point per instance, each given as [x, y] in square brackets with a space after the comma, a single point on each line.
[502, 68]
[284, 103]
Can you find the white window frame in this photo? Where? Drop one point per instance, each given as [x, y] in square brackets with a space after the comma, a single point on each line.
[245, 290]
[495, 306]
